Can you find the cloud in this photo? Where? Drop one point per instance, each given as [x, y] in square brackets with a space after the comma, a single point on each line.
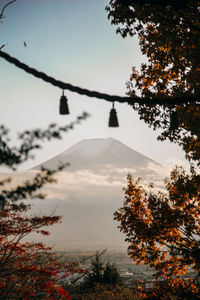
[87, 200]
[107, 181]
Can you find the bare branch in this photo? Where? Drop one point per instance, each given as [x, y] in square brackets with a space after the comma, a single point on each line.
[4, 8]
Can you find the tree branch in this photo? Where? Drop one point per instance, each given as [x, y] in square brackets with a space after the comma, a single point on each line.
[4, 8]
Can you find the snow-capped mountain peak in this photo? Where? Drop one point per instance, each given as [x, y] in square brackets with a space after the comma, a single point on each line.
[94, 153]
[90, 147]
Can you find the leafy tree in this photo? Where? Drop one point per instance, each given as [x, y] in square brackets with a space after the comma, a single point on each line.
[111, 275]
[169, 37]
[95, 274]
[28, 269]
[168, 33]
[163, 230]
[101, 273]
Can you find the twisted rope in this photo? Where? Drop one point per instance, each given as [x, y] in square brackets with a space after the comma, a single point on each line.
[67, 86]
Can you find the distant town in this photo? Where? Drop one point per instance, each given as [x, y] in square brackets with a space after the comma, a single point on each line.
[130, 273]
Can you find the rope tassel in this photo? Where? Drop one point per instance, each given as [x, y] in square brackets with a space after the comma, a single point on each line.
[113, 120]
[64, 109]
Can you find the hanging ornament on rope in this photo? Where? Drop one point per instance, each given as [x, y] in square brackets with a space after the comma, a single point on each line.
[64, 109]
[113, 120]
[173, 120]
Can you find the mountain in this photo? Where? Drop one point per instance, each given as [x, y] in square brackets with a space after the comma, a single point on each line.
[89, 191]
[95, 153]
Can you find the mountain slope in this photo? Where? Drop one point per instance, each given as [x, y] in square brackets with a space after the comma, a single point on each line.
[94, 153]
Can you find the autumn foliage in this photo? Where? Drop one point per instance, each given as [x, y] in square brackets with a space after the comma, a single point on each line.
[27, 269]
[169, 38]
[163, 230]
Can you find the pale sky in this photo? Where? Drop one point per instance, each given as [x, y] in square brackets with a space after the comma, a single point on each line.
[73, 41]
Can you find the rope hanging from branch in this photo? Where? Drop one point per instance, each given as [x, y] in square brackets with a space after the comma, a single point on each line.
[67, 86]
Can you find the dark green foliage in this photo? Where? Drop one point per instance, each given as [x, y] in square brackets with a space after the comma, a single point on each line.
[111, 275]
[101, 273]
[96, 273]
